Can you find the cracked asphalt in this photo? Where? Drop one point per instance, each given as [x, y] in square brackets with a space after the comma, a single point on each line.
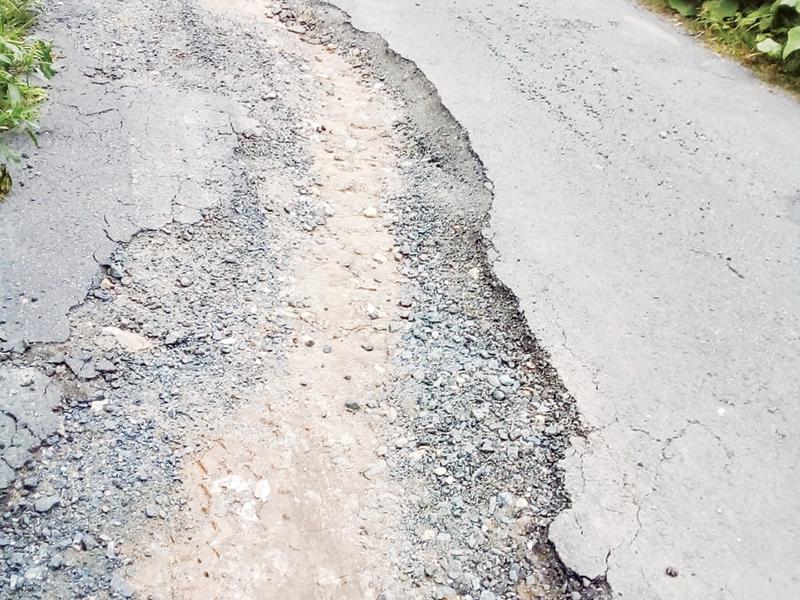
[645, 214]
[125, 180]
[644, 218]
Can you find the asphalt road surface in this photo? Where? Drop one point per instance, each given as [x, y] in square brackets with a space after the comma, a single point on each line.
[646, 216]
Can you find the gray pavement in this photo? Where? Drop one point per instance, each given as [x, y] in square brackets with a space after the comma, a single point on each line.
[129, 157]
[117, 156]
[646, 214]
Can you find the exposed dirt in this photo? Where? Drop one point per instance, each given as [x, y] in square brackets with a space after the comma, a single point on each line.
[298, 462]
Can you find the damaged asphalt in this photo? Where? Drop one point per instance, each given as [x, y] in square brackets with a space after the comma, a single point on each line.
[641, 443]
[194, 186]
[645, 215]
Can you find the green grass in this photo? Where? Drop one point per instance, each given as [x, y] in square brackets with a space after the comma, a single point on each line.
[762, 34]
[24, 62]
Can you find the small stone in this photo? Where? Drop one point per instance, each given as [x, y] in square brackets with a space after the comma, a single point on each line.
[367, 346]
[506, 380]
[105, 366]
[97, 406]
[487, 595]
[445, 592]
[88, 542]
[370, 212]
[427, 535]
[262, 490]
[327, 349]
[672, 571]
[151, 512]
[133, 342]
[172, 338]
[116, 271]
[352, 405]
[308, 342]
[296, 28]
[493, 380]
[505, 499]
[120, 586]
[372, 312]
[185, 281]
[45, 503]
[375, 470]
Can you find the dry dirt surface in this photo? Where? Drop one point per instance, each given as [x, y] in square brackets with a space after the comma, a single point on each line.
[302, 380]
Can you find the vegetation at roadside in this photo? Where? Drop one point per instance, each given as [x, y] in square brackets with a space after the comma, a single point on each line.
[762, 33]
[23, 62]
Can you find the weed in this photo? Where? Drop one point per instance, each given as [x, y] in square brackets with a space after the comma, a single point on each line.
[23, 61]
[765, 34]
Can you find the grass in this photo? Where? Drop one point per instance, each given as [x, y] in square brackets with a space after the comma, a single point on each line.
[24, 62]
[722, 38]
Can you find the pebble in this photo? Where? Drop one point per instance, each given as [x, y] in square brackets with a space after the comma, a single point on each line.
[367, 346]
[121, 587]
[172, 338]
[45, 503]
[262, 490]
[506, 380]
[87, 542]
[370, 212]
[185, 281]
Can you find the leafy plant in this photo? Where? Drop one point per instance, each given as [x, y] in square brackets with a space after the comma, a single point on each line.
[767, 27]
[23, 60]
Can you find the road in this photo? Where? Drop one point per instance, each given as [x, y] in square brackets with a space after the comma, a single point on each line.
[646, 216]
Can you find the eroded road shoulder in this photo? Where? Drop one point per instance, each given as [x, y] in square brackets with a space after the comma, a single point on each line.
[319, 390]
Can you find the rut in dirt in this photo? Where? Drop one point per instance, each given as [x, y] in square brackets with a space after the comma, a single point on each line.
[320, 389]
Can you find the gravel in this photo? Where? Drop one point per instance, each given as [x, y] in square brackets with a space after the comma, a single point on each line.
[490, 413]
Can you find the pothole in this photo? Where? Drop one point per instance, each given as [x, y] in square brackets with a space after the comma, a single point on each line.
[320, 391]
